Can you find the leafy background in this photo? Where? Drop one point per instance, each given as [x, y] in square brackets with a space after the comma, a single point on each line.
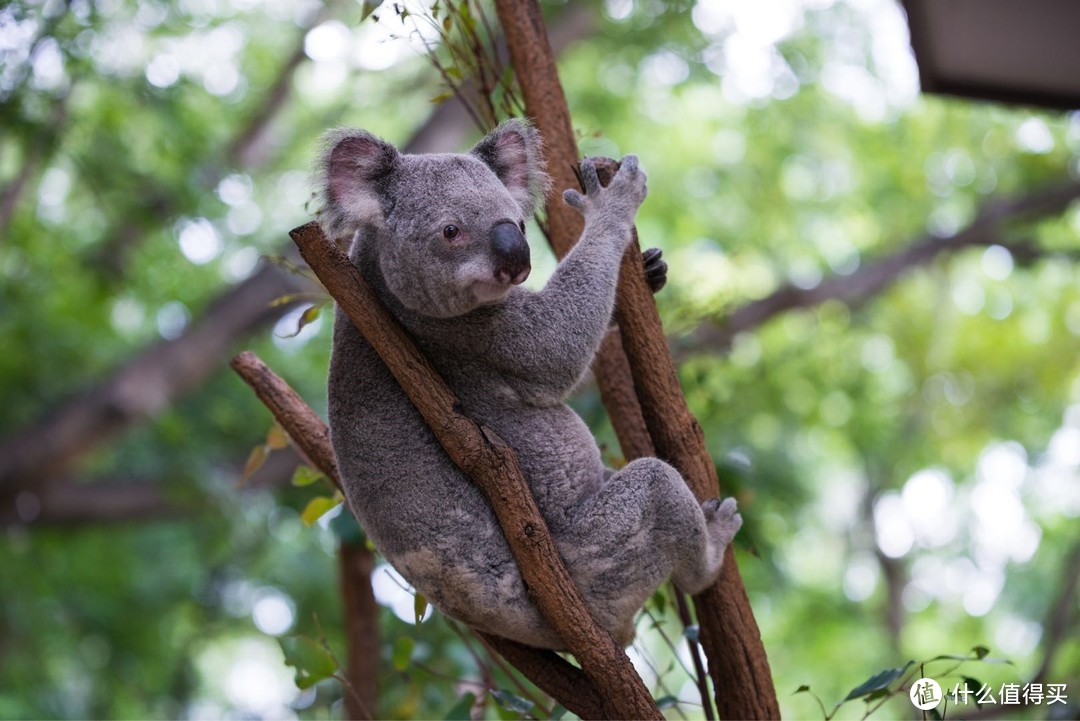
[907, 462]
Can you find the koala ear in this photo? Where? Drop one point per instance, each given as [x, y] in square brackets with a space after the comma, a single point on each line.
[352, 167]
[514, 152]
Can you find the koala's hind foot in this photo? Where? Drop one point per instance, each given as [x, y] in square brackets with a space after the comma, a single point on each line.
[655, 269]
[722, 522]
[722, 519]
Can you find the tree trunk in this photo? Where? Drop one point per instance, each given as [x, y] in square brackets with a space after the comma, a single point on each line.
[355, 564]
[737, 661]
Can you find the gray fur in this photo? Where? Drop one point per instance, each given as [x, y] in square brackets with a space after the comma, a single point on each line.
[512, 356]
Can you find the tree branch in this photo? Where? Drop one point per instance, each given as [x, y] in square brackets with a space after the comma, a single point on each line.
[738, 665]
[988, 228]
[533, 61]
[729, 633]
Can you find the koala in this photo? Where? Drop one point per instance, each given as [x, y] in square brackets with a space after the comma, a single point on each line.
[440, 237]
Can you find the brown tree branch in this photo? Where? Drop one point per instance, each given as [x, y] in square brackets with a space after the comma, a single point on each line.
[355, 565]
[552, 674]
[482, 455]
[989, 228]
[738, 665]
[544, 668]
[729, 633]
[70, 503]
[533, 60]
[302, 424]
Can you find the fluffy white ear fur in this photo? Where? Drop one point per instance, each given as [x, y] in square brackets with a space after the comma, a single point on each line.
[351, 166]
[514, 152]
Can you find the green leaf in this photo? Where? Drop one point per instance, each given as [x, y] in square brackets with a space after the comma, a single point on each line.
[305, 476]
[666, 702]
[316, 507]
[878, 681]
[512, 702]
[312, 660]
[802, 689]
[442, 97]
[658, 602]
[875, 695]
[403, 650]
[420, 607]
[462, 708]
[980, 652]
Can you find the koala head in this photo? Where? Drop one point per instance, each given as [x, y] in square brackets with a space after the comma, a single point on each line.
[447, 228]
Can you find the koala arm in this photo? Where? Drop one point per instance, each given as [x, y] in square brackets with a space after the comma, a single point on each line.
[543, 342]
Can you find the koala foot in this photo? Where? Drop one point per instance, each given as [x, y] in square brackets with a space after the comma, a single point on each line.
[655, 269]
[722, 519]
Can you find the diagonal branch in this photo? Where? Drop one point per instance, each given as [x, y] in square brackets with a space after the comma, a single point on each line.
[142, 387]
[989, 228]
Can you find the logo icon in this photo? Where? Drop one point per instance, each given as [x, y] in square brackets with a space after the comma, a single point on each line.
[925, 694]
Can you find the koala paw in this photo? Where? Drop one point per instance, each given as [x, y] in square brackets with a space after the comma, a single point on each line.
[722, 519]
[655, 269]
[618, 202]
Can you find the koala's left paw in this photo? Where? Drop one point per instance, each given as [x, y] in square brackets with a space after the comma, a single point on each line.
[655, 269]
[722, 519]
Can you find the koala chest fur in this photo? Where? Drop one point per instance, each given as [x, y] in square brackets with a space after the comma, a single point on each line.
[440, 238]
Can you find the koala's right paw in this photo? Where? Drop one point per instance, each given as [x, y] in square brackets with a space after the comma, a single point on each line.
[618, 202]
[722, 519]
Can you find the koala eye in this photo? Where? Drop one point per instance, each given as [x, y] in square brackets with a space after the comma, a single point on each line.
[451, 231]
[521, 226]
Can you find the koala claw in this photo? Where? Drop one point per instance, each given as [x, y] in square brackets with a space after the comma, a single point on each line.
[722, 519]
[655, 269]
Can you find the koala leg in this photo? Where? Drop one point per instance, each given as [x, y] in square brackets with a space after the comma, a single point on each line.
[641, 527]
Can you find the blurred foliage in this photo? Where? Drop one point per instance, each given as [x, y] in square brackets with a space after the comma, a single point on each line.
[917, 452]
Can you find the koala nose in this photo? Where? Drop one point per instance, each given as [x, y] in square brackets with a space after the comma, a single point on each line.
[511, 253]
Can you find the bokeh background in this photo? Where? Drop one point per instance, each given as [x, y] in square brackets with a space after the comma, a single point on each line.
[873, 299]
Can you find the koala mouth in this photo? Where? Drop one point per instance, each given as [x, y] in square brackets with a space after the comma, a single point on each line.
[490, 291]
